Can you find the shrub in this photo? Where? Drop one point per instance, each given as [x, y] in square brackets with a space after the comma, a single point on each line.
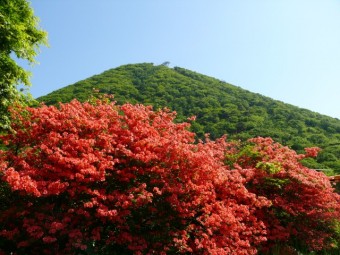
[305, 210]
[95, 178]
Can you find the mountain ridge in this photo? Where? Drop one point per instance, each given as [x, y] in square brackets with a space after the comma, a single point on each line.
[220, 107]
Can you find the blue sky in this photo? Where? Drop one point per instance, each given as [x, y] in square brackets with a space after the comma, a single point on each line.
[288, 50]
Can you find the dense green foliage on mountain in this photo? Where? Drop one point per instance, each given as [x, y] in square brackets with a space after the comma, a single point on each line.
[220, 108]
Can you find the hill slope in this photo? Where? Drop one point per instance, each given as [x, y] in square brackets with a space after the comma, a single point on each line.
[220, 108]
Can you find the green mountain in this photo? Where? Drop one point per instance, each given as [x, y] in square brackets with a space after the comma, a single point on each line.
[220, 108]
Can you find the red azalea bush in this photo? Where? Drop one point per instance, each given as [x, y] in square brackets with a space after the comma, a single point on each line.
[305, 210]
[99, 178]
[96, 178]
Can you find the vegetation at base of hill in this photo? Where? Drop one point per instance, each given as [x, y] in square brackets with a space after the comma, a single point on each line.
[220, 108]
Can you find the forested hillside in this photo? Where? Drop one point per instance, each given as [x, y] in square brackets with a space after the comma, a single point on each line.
[220, 108]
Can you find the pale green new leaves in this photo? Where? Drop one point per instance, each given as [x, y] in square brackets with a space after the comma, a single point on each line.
[19, 36]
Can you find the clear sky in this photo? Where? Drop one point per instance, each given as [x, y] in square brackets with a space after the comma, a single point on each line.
[288, 50]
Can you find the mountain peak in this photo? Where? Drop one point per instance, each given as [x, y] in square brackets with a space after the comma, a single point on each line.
[220, 108]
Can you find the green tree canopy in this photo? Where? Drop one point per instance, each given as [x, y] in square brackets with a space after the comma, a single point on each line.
[20, 36]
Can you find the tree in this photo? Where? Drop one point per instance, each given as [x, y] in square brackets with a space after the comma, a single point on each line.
[19, 36]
